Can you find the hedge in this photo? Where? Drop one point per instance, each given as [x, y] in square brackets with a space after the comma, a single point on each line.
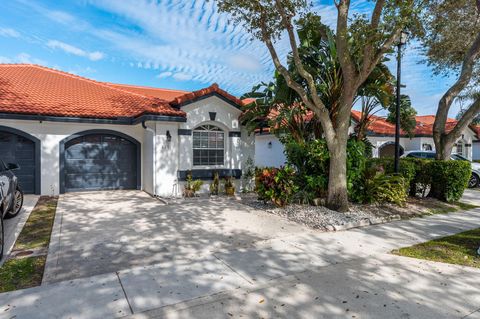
[447, 179]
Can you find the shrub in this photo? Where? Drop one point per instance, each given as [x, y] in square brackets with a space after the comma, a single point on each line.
[407, 167]
[191, 186]
[449, 179]
[311, 160]
[215, 184]
[276, 185]
[378, 187]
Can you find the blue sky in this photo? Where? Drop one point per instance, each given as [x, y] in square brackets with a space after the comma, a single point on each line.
[171, 44]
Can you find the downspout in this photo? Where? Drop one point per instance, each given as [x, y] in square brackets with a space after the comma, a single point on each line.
[154, 156]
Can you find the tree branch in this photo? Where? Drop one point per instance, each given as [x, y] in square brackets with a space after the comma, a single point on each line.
[287, 23]
[465, 120]
[319, 109]
[344, 56]
[377, 13]
[462, 81]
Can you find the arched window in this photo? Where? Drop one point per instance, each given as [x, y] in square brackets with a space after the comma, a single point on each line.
[208, 145]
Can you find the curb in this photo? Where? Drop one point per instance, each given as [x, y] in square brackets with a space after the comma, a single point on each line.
[363, 223]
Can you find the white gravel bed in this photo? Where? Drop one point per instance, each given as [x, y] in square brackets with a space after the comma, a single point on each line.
[320, 217]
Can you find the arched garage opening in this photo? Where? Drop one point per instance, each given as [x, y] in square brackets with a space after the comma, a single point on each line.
[99, 160]
[388, 150]
[23, 149]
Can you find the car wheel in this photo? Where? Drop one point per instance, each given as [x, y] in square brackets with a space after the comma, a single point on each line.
[17, 203]
[2, 236]
[474, 181]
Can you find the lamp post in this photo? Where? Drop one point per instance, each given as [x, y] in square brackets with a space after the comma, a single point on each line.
[401, 42]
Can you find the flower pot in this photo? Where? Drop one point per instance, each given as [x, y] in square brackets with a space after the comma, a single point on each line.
[230, 191]
[188, 193]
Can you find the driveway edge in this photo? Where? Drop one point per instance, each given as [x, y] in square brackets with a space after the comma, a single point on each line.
[54, 246]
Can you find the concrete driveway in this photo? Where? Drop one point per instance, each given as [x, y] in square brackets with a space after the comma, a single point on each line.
[104, 232]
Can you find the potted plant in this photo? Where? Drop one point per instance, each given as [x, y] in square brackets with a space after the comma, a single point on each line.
[191, 186]
[229, 187]
[215, 184]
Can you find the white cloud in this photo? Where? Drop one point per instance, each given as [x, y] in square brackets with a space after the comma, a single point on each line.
[22, 58]
[93, 56]
[180, 76]
[164, 75]
[9, 32]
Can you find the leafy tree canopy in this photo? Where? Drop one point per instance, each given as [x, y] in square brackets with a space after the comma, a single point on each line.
[407, 115]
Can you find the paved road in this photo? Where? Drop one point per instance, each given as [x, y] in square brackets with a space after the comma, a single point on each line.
[301, 274]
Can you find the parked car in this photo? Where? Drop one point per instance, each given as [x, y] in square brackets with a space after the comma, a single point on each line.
[474, 179]
[11, 197]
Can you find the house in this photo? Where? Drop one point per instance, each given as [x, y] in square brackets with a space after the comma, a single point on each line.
[269, 150]
[70, 133]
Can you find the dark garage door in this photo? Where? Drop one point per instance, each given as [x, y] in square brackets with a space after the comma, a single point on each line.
[100, 161]
[18, 149]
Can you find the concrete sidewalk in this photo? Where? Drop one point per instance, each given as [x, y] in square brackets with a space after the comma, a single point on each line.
[308, 275]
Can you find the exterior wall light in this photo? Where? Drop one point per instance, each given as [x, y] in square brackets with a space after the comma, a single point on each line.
[169, 137]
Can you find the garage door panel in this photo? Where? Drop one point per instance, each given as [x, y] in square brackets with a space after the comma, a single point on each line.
[99, 181]
[100, 161]
[20, 150]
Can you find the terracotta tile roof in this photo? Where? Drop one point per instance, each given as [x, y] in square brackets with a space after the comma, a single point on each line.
[424, 124]
[37, 90]
[191, 96]
[164, 94]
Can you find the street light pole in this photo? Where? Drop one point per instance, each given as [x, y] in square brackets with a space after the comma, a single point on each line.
[403, 40]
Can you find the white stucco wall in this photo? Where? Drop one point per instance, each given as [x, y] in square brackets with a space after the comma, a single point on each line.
[237, 149]
[160, 160]
[147, 158]
[167, 157]
[51, 133]
[269, 154]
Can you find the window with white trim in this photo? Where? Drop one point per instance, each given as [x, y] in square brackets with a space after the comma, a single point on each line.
[208, 145]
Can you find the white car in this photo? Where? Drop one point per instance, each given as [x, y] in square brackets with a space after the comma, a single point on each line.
[474, 180]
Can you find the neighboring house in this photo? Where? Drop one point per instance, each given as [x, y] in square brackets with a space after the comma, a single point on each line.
[269, 150]
[69, 133]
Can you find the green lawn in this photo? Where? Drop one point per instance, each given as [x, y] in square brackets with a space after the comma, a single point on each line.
[459, 249]
[445, 208]
[20, 273]
[37, 229]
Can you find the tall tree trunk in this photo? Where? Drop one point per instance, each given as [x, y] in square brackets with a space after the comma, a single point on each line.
[337, 179]
[337, 198]
[443, 147]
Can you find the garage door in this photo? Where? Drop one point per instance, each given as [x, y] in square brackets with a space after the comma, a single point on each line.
[100, 161]
[20, 150]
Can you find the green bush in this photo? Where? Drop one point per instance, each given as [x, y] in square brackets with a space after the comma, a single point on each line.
[378, 187]
[449, 179]
[311, 161]
[420, 184]
[276, 185]
[407, 167]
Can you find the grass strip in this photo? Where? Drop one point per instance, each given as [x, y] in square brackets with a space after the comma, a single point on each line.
[459, 249]
[38, 228]
[20, 273]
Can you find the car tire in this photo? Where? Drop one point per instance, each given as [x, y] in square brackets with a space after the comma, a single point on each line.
[474, 181]
[2, 236]
[17, 203]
